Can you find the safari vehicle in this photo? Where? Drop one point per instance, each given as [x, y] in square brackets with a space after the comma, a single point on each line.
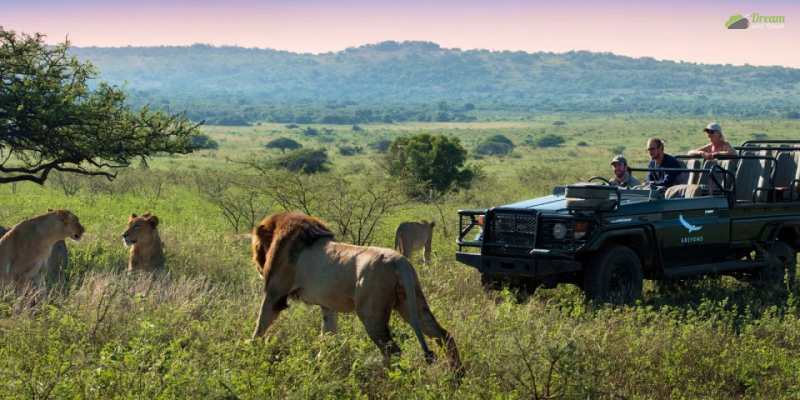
[737, 215]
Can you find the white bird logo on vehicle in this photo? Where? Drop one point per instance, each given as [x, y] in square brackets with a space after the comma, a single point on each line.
[689, 227]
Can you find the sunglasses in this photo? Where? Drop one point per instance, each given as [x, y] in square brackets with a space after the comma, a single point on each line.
[652, 148]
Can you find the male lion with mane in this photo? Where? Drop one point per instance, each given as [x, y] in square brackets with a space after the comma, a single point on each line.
[147, 251]
[27, 247]
[297, 257]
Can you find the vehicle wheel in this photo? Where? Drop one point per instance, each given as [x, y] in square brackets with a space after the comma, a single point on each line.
[783, 265]
[614, 276]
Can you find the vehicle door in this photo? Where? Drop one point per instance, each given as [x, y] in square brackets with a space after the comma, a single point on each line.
[693, 231]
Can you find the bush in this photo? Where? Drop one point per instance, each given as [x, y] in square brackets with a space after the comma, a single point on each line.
[617, 150]
[309, 131]
[283, 144]
[350, 150]
[550, 141]
[381, 146]
[307, 161]
[497, 145]
[430, 162]
[500, 139]
[203, 142]
[493, 149]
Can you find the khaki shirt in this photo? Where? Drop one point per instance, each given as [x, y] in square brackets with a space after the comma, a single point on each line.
[627, 181]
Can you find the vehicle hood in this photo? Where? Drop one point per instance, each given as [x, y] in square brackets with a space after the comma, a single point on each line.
[548, 203]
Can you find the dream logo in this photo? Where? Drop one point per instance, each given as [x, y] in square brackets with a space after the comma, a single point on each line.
[755, 20]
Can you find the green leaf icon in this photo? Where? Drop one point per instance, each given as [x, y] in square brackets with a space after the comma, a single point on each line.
[733, 20]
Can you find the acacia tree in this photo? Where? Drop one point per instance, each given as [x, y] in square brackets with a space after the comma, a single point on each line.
[432, 165]
[283, 144]
[50, 120]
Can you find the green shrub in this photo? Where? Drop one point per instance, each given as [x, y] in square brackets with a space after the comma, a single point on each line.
[283, 144]
[550, 140]
[307, 161]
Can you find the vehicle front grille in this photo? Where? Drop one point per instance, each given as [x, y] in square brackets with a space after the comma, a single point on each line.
[513, 230]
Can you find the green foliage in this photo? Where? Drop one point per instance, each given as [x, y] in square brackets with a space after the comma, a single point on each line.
[307, 161]
[203, 142]
[283, 144]
[433, 162]
[496, 145]
[381, 146]
[347, 150]
[620, 149]
[309, 131]
[550, 140]
[407, 81]
[50, 119]
[185, 334]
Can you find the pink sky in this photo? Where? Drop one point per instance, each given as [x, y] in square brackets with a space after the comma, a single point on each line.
[682, 30]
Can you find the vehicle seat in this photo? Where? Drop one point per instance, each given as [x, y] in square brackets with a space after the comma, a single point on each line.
[785, 172]
[765, 184]
[748, 176]
[694, 177]
[795, 185]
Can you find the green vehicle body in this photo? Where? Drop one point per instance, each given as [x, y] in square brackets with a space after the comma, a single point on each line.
[673, 238]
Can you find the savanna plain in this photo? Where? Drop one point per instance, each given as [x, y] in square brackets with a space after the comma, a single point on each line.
[185, 333]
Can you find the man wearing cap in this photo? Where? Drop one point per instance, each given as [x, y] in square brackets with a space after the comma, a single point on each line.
[717, 144]
[622, 177]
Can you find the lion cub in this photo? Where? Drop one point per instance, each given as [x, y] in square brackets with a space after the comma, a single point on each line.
[147, 252]
[26, 248]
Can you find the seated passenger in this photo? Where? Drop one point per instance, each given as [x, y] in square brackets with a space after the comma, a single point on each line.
[622, 175]
[659, 159]
[717, 144]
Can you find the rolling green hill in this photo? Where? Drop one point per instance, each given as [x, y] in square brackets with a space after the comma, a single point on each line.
[393, 81]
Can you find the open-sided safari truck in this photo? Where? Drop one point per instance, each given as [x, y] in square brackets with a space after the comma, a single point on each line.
[736, 215]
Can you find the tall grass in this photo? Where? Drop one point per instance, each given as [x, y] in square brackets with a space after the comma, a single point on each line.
[185, 333]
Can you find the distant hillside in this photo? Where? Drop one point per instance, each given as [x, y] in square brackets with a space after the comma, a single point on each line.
[425, 81]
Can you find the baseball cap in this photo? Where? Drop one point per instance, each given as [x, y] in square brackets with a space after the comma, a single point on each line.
[619, 159]
[713, 127]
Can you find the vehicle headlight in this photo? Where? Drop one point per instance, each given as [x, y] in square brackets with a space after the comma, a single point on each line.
[559, 231]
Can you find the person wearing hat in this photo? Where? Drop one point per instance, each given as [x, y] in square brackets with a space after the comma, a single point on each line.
[717, 144]
[622, 176]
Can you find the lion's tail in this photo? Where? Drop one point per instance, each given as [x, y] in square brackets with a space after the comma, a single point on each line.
[408, 278]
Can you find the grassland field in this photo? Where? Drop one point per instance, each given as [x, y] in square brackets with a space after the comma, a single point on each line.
[185, 334]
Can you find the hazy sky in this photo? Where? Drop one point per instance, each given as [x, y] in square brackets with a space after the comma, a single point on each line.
[677, 30]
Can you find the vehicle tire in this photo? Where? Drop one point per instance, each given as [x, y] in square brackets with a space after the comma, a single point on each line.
[614, 276]
[784, 265]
